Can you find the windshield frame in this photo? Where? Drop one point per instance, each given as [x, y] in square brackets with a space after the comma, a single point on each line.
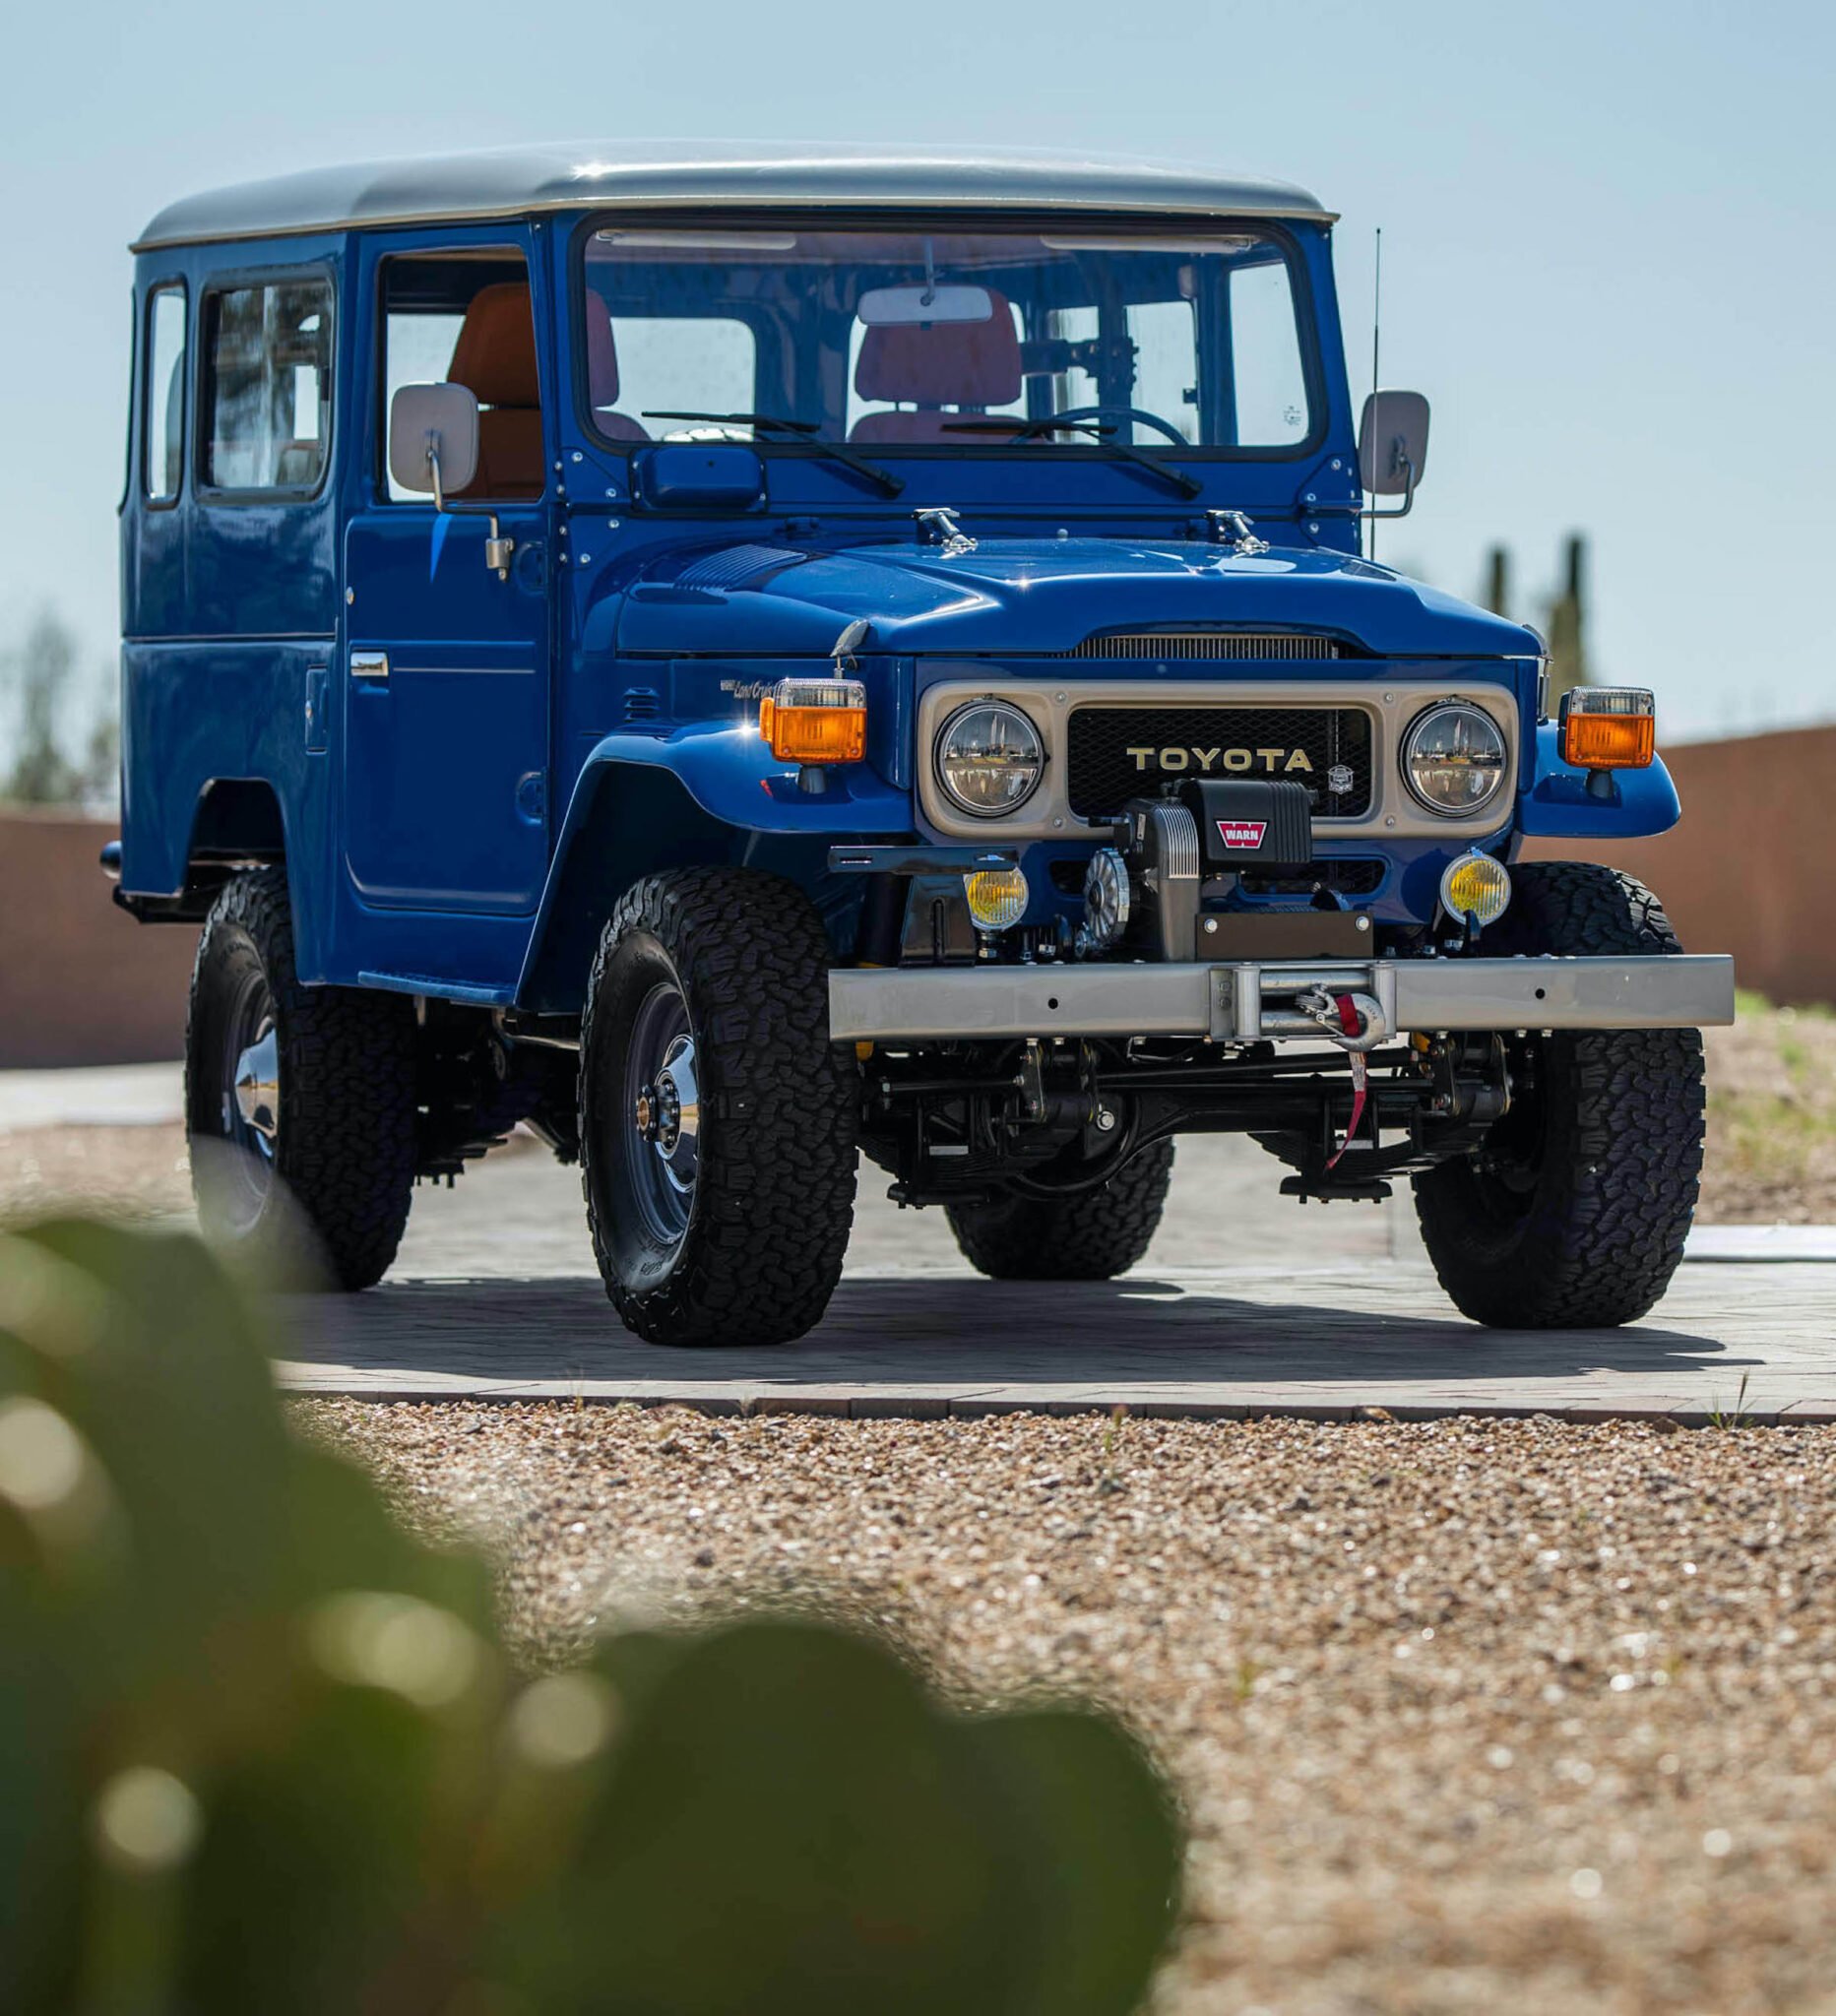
[992, 220]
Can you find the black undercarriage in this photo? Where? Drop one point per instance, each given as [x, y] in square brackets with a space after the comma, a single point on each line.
[967, 1122]
[963, 1122]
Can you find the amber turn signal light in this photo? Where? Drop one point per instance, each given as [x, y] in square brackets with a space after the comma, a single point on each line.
[815, 720]
[1608, 727]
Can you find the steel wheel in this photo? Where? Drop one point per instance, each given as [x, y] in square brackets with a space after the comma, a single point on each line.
[248, 1097]
[663, 1099]
[716, 1119]
[300, 1101]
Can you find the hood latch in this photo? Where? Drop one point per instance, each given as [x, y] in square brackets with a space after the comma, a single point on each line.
[937, 526]
[1233, 528]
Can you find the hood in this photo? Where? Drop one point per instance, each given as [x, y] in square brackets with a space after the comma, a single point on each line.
[1029, 596]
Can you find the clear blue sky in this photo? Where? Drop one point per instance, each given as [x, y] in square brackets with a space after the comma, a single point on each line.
[1609, 237]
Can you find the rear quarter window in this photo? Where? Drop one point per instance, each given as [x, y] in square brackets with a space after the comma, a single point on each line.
[162, 398]
[268, 386]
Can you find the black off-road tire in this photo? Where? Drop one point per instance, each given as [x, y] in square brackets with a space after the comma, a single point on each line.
[344, 1153]
[1089, 1238]
[1603, 1151]
[773, 1196]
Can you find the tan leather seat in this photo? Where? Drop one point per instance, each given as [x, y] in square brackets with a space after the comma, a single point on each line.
[496, 359]
[948, 371]
[602, 374]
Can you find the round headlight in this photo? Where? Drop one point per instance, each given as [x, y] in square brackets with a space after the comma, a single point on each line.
[990, 758]
[1454, 758]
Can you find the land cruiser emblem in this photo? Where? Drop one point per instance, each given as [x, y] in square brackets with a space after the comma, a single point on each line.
[1270, 762]
[1242, 832]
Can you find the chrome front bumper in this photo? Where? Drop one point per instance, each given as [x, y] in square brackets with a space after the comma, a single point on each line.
[1244, 1002]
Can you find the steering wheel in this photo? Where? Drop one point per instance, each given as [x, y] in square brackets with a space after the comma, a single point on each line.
[1108, 413]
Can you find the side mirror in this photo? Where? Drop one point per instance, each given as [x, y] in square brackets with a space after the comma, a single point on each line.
[433, 439]
[1393, 445]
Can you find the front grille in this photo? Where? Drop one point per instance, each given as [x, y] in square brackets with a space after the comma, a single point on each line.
[1215, 741]
[1232, 645]
[1349, 878]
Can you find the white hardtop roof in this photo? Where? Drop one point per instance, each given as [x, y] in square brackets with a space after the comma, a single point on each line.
[513, 182]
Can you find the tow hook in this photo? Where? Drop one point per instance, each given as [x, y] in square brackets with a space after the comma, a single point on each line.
[1325, 1008]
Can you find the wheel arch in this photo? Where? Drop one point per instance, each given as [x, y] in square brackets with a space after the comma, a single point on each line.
[236, 822]
[626, 820]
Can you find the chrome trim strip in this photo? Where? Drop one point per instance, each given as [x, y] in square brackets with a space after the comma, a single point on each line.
[1236, 1002]
[1393, 704]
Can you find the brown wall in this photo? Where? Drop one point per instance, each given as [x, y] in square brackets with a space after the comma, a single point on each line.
[1748, 867]
[81, 982]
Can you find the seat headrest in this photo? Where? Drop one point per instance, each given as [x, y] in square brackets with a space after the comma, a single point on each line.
[943, 364]
[601, 353]
[496, 354]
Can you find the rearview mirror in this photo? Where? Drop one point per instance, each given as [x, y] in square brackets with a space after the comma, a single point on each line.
[1393, 444]
[433, 439]
[900, 307]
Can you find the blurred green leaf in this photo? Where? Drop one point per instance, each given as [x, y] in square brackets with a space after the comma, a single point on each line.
[262, 1750]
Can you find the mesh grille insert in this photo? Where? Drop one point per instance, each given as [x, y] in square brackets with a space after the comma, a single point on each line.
[1117, 753]
[1203, 643]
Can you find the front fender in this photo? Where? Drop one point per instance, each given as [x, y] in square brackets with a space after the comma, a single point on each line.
[697, 797]
[1559, 805]
[731, 775]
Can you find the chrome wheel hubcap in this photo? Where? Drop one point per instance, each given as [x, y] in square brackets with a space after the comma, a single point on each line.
[257, 1088]
[661, 1152]
[667, 1114]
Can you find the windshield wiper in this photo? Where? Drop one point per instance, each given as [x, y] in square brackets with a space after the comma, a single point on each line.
[808, 431]
[1023, 430]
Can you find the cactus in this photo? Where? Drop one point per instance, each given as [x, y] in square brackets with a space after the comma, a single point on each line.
[262, 1750]
[1566, 623]
[1497, 597]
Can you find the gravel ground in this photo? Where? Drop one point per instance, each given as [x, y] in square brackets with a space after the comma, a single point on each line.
[1469, 1716]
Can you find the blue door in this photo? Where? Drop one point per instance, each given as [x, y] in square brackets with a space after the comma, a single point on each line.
[446, 666]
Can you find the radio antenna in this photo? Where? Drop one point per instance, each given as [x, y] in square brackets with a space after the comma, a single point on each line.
[1376, 338]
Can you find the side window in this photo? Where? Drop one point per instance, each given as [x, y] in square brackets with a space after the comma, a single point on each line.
[268, 387]
[1265, 350]
[163, 395]
[467, 317]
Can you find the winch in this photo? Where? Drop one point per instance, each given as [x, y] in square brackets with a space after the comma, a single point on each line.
[1165, 889]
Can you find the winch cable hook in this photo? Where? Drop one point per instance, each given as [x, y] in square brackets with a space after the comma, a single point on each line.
[1351, 1024]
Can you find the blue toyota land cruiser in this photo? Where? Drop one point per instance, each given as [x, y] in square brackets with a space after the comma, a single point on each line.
[739, 659]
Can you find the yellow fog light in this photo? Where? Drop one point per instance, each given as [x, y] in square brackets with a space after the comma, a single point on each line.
[998, 898]
[1475, 886]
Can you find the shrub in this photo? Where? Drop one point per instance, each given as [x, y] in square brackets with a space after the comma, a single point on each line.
[260, 1751]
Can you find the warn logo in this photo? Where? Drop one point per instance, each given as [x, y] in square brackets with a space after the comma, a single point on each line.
[1242, 832]
[1270, 762]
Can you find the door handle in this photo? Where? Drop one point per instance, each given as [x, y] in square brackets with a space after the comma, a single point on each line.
[369, 665]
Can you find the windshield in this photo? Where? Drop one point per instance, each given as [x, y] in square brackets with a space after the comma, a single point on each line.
[969, 342]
